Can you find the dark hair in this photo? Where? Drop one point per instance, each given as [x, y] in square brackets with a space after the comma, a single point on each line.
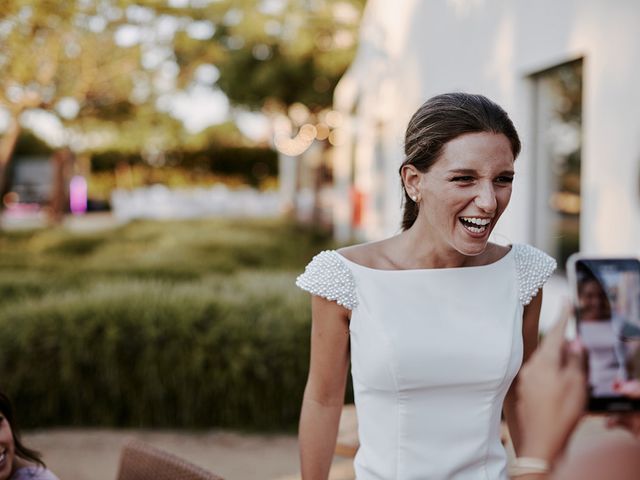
[21, 451]
[443, 118]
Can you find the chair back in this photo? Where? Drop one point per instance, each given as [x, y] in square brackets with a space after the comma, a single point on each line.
[141, 461]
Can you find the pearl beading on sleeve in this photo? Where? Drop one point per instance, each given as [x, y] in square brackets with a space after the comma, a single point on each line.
[327, 276]
[534, 267]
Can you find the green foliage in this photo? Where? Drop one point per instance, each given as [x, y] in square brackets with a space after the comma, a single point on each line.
[176, 324]
[161, 250]
[116, 62]
[276, 78]
[250, 164]
[296, 52]
[224, 352]
[30, 144]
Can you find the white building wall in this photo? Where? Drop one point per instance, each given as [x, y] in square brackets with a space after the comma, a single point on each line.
[411, 50]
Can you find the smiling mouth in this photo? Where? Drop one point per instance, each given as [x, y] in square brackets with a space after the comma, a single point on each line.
[3, 456]
[475, 224]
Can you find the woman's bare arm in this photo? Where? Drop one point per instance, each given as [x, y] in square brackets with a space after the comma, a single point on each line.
[553, 395]
[530, 339]
[324, 392]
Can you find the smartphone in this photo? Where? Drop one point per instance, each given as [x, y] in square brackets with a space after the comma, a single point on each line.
[606, 293]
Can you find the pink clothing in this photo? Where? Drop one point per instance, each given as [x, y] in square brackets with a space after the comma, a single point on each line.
[33, 472]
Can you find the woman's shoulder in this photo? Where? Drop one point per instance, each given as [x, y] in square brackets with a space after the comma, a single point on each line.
[534, 267]
[328, 276]
[33, 472]
[527, 254]
[369, 255]
[522, 251]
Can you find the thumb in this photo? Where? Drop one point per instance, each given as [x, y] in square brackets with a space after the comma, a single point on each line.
[575, 356]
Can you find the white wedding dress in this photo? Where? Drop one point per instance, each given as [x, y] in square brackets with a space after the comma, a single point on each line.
[433, 353]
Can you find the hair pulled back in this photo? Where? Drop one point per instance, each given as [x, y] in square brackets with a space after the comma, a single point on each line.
[443, 118]
[6, 410]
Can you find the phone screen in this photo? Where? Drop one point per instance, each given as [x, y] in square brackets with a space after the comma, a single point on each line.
[608, 314]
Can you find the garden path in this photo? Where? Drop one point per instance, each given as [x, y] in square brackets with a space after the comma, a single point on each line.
[93, 454]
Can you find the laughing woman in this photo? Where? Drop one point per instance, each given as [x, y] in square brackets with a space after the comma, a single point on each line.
[435, 321]
[17, 462]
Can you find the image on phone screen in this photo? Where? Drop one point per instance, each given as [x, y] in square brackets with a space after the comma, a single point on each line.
[608, 314]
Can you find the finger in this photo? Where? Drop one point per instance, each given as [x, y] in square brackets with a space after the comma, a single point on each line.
[612, 421]
[575, 357]
[630, 389]
[553, 342]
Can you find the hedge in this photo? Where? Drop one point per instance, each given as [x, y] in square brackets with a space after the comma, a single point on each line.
[224, 352]
[251, 164]
[193, 324]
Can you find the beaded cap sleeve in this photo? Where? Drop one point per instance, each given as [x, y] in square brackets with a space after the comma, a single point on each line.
[534, 267]
[329, 277]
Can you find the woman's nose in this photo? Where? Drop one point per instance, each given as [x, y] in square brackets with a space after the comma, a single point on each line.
[486, 199]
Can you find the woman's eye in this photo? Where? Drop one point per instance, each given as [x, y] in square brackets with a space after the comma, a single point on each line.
[462, 178]
[504, 179]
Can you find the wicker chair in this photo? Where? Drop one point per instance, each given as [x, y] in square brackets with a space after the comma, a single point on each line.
[141, 461]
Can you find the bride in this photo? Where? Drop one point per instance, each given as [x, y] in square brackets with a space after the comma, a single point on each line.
[435, 321]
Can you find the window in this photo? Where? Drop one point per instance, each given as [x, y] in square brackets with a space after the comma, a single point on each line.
[557, 150]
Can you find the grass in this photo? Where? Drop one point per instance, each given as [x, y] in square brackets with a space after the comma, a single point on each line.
[35, 262]
[157, 324]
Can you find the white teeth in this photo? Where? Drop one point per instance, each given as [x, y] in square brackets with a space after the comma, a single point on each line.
[481, 224]
[477, 221]
[476, 229]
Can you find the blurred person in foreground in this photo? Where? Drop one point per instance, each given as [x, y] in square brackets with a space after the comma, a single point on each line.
[553, 393]
[17, 462]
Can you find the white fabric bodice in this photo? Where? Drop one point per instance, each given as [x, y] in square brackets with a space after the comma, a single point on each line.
[606, 365]
[433, 353]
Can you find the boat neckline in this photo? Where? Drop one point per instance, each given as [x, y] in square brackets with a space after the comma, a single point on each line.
[472, 267]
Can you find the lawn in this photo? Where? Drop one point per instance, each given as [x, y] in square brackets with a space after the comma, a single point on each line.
[159, 324]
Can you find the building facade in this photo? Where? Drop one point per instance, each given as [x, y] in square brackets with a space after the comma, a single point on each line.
[565, 70]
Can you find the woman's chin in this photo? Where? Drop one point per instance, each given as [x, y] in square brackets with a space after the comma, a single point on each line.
[472, 252]
[472, 242]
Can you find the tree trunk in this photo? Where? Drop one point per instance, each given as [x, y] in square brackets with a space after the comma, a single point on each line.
[7, 145]
[62, 162]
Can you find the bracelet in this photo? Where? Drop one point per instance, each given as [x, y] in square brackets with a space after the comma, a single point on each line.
[527, 465]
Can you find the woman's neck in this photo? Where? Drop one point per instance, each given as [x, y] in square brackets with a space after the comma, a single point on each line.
[19, 463]
[420, 250]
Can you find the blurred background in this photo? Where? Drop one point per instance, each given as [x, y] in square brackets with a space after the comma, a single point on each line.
[167, 168]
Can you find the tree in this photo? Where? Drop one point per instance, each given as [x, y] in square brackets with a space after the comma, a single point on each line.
[98, 65]
[286, 52]
[285, 59]
[106, 67]
[61, 57]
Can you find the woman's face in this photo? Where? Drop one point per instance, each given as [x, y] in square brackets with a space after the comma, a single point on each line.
[466, 190]
[7, 448]
[594, 304]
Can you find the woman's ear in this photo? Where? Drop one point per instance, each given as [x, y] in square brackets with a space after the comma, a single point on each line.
[411, 177]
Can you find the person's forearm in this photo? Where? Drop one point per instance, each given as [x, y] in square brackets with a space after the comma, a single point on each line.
[317, 436]
[536, 452]
[509, 410]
